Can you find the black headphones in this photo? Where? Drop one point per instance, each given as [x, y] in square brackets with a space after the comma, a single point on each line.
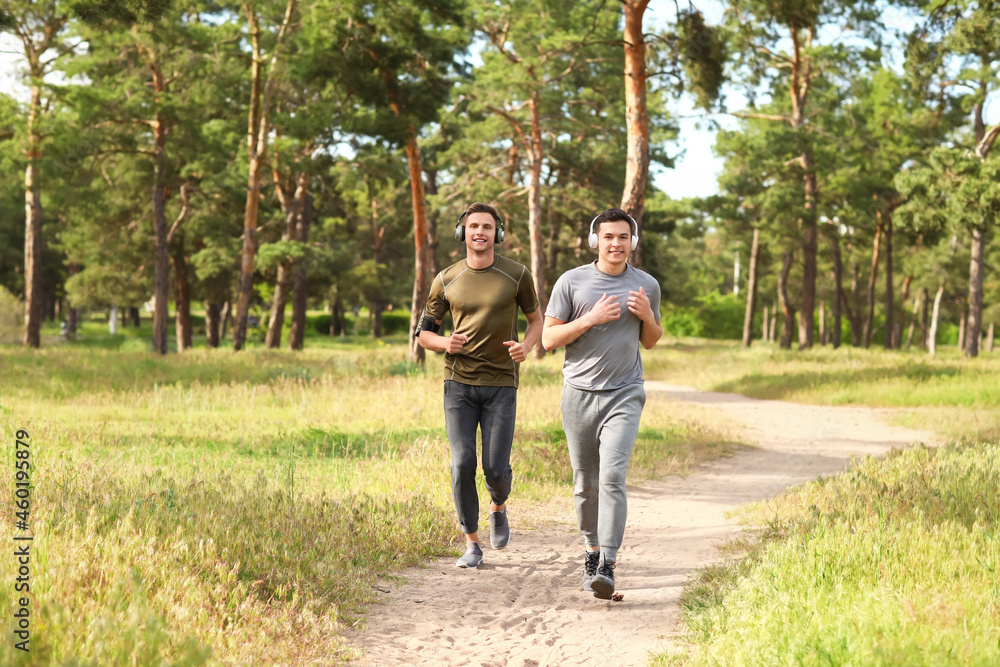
[460, 228]
[592, 237]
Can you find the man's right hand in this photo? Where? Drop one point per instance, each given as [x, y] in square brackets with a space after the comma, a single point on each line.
[456, 342]
[606, 309]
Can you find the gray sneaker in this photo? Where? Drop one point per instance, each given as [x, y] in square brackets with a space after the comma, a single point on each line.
[603, 582]
[499, 529]
[472, 558]
[590, 563]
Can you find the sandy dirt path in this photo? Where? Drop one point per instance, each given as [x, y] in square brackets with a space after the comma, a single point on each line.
[524, 606]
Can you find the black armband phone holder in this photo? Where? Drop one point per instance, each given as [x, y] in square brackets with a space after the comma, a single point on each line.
[427, 323]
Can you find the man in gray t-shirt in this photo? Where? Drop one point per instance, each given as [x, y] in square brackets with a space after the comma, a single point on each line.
[602, 393]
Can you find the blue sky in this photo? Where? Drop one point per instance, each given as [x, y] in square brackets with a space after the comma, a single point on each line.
[695, 171]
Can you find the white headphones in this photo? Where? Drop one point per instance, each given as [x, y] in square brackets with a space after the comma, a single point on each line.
[592, 238]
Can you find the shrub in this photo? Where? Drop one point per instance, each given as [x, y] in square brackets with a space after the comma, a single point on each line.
[681, 321]
[717, 316]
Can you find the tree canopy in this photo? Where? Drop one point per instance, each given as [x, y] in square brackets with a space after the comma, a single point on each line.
[235, 158]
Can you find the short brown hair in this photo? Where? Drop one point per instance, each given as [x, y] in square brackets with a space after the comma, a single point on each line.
[614, 215]
[480, 207]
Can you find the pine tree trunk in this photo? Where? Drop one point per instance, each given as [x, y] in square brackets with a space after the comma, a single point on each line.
[822, 322]
[975, 320]
[890, 298]
[897, 335]
[276, 321]
[962, 329]
[296, 337]
[423, 264]
[913, 322]
[636, 118]
[376, 307]
[212, 316]
[227, 316]
[807, 303]
[932, 334]
[253, 185]
[248, 253]
[258, 135]
[292, 210]
[786, 308]
[838, 287]
[852, 306]
[33, 217]
[433, 238]
[338, 323]
[751, 289]
[32, 258]
[536, 157]
[872, 278]
[925, 312]
[764, 323]
[800, 84]
[182, 296]
[72, 314]
[988, 344]
[161, 271]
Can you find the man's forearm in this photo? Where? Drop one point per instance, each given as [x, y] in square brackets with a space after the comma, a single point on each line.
[432, 341]
[650, 333]
[532, 335]
[556, 334]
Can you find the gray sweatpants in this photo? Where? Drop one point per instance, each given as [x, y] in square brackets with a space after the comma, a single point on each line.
[601, 428]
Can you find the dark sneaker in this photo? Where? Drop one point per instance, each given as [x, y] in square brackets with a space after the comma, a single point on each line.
[499, 529]
[590, 562]
[603, 582]
[472, 558]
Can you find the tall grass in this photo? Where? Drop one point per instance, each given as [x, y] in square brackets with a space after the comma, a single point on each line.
[218, 508]
[893, 563]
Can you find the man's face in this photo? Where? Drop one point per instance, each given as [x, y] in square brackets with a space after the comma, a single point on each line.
[614, 241]
[480, 232]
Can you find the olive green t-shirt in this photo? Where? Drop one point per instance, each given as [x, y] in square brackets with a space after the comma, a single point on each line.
[483, 305]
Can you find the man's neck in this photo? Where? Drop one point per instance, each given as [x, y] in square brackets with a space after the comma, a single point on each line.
[480, 260]
[611, 270]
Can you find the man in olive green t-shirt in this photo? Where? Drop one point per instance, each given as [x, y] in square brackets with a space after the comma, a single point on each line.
[483, 292]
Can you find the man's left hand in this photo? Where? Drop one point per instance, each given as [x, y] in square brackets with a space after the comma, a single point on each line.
[638, 305]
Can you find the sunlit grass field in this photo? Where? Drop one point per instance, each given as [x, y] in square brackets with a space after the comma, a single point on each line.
[217, 508]
[893, 563]
[896, 562]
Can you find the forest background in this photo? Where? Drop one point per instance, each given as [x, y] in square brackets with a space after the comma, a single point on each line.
[221, 163]
[224, 161]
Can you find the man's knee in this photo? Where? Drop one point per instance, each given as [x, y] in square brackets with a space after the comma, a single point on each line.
[497, 477]
[463, 468]
[613, 480]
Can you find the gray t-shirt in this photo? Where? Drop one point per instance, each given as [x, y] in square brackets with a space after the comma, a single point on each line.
[605, 356]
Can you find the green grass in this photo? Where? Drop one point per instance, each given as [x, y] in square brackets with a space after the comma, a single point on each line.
[893, 563]
[218, 508]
